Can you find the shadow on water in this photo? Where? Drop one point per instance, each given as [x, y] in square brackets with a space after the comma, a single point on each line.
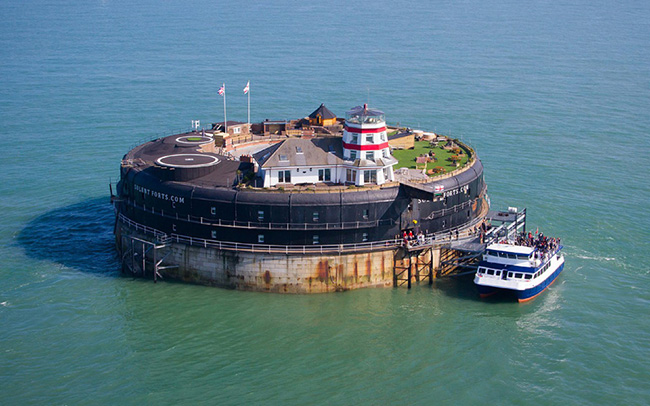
[79, 236]
[462, 287]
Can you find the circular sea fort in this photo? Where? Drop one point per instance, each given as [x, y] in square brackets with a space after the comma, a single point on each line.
[317, 204]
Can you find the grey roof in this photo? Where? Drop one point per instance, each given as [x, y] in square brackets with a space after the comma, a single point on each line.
[323, 111]
[365, 111]
[315, 152]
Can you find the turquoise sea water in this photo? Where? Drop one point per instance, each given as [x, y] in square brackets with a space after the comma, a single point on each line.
[554, 96]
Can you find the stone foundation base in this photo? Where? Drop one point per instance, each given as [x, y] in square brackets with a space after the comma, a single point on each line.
[256, 271]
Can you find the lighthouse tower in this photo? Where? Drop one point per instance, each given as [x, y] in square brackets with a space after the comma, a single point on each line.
[365, 147]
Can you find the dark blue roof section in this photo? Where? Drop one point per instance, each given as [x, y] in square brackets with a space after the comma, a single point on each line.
[322, 111]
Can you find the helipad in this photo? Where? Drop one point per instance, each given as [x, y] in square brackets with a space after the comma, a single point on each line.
[187, 160]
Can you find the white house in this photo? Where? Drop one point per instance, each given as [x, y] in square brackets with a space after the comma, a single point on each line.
[360, 157]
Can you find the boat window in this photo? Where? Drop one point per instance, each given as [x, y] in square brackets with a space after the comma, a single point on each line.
[490, 252]
[518, 275]
[490, 271]
[512, 256]
[497, 273]
[510, 274]
[529, 276]
[481, 270]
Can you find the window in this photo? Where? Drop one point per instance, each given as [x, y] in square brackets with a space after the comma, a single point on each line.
[490, 271]
[510, 274]
[370, 139]
[298, 150]
[260, 238]
[353, 155]
[386, 153]
[236, 130]
[324, 175]
[370, 155]
[364, 237]
[260, 215]
[284, 158]
[366, 214]
[529, 276]
[518, 276]
[315, 240]
[316, 216]
[213, 210]
[354, 139]
[370, 176]
[497, 273]
[284, 176]
[383, 136]
[350, 175]
[214, 234]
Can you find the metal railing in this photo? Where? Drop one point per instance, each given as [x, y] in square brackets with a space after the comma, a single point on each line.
[262, 225]
[430, 240]
[294, 226]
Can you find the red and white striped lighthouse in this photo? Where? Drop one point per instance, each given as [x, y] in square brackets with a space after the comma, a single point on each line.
[365, 145]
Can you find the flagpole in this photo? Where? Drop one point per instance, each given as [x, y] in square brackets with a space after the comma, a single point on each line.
[225, 119]
[249, 105]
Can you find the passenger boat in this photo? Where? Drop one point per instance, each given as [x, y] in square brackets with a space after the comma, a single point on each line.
[524, 268]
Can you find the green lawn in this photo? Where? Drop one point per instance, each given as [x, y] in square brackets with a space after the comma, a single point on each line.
[406, 157]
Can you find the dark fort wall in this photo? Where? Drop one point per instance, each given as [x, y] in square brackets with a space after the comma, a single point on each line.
[296, 218]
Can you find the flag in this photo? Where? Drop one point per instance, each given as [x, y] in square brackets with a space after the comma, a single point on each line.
[438, 189]
[248, 86]
[222, 90]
